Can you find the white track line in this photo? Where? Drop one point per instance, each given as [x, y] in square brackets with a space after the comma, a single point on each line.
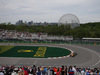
[35, 62]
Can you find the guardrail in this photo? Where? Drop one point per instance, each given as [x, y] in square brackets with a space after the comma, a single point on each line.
[48, 42]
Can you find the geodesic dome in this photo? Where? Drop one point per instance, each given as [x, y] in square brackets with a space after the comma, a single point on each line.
[69, 19]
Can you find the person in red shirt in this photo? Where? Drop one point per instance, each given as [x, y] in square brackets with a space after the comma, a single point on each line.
[58, 72]
[25, 72]
[55, 70]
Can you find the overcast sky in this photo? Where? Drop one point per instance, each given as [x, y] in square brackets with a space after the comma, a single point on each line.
[48, 10]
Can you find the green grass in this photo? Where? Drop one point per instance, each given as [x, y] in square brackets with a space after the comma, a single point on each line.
[21, 51]
[5, 48]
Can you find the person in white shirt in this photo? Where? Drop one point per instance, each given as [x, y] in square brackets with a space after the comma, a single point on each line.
[82, 72]
[1, 73]
[74, 69]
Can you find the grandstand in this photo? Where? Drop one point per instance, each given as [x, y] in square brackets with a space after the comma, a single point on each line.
[6, 35]
[26, 36]
[95, 40]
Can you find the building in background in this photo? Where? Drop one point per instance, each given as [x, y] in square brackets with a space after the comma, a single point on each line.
[69, 19]
[21, 22]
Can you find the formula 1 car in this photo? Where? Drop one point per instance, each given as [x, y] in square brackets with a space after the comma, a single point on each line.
[73, 54]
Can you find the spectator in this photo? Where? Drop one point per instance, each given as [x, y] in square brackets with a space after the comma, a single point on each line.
[21, 72]
[71, 72]
[55, 70]
[62, 70]
[82, 72]
[1, 72]
[25, 72]
[43, 71]
[58, 72]
[34, 70]
[38, 72]
[65, 73]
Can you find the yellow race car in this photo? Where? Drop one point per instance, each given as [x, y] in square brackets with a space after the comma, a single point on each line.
[73, 54]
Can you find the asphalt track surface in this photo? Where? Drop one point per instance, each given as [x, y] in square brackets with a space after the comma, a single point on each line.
[88, 56]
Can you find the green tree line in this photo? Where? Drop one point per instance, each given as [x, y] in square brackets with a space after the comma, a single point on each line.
[85, 30]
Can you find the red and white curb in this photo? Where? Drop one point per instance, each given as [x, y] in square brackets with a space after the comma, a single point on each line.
[62, 56]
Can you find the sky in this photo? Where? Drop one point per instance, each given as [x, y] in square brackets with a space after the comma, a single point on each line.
[48, 10]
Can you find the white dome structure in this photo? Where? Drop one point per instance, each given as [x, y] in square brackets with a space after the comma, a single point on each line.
[69, 19]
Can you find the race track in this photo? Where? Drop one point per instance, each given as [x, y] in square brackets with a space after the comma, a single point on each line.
[88, 56]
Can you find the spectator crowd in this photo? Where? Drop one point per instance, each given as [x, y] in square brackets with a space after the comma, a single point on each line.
[47, 70]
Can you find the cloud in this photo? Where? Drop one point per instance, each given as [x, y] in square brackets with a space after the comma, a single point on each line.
[48, 10]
